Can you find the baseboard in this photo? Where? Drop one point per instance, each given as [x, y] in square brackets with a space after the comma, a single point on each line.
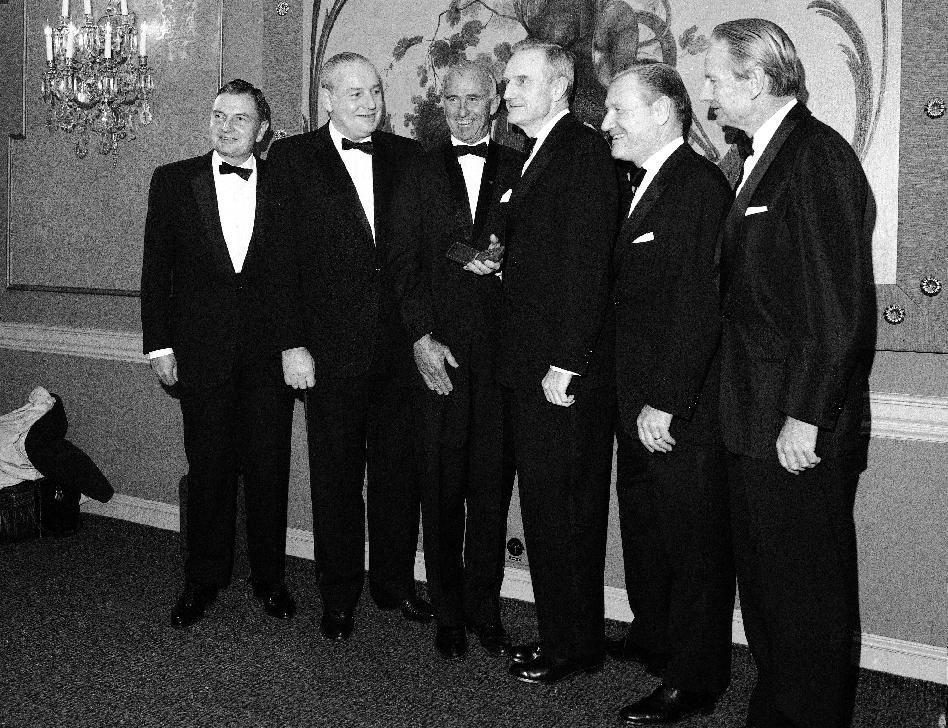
[883, 654]
[894, 416]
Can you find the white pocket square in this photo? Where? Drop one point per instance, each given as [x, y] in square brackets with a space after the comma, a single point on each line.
[646, 238]
[755, 210]
[506, 196]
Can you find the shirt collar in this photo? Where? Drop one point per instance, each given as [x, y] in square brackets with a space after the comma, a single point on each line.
[337, 137]
[655, 162]
[217, 160]
[767, 130]
[455, 142]
[546, 129]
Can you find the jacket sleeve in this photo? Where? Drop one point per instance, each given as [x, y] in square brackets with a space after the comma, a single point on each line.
[831, 313]
[157, 285]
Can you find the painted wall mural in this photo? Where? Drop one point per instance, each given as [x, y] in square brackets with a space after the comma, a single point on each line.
[850, 48]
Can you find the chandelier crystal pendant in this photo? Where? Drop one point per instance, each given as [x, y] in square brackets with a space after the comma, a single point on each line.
[97, 78]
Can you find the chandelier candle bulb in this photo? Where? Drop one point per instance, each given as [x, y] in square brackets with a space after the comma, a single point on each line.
[49, 43]
[107, 49]
[87, 7]
[124, 7]
[71, 42]
[65, 12]
[142, 43]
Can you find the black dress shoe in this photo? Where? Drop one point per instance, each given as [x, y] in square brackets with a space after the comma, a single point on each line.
[525, 654]
[336, 625]
[414, 609]
[666, 705]
[543, 671]
[624, 650]
[276, 600]
[451, 641]
[493, 637]
[191, 604]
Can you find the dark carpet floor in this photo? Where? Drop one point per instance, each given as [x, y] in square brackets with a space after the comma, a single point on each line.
[84, 641]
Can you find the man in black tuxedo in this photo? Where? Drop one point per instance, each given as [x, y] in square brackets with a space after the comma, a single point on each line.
[671, 473]
[339, 181]
[216, 313]
[454, 319]
[797, 334]
[556, 359]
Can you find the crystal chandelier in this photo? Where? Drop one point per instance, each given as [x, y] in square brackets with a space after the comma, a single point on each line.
[97, 77]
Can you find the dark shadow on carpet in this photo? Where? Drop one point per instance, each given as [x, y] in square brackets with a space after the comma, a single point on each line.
[85, 641]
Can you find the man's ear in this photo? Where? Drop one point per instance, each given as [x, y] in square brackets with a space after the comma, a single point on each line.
[494, 105]
[325, 99]
[264, 126]
[558, 87]
[758, 80]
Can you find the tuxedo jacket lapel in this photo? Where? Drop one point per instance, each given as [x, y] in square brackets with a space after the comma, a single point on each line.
[261, 218]
[337, 178]
[731, 230]
[383, 170]
[485, 194]
[540, 161]
[652, 194]
[205, 195]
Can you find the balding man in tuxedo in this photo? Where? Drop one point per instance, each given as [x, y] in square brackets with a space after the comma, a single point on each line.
[356, 362]
[454, 319]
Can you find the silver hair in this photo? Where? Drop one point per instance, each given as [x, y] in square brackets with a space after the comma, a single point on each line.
[758, 42]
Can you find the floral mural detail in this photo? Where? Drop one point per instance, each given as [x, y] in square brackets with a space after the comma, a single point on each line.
[605, 37]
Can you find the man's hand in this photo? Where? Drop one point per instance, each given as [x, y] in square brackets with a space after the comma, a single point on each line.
[430, 356]
[166, 367]
[654, 430]
[298, 369]
[796, 446]
[555, 384]
[485, 267]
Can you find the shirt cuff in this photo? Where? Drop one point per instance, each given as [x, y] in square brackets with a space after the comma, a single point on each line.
[159, 352]
[565, 371]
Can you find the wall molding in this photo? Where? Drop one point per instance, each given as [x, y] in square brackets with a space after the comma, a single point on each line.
[883, 654]
[894, 416]
[68, 341]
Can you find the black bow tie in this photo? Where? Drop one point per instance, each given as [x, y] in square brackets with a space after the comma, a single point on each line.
[243, 172]
[361, 146]
[478, 150]
[636, 177]
[745, 145]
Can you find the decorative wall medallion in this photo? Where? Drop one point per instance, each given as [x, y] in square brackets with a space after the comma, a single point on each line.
[283, 9]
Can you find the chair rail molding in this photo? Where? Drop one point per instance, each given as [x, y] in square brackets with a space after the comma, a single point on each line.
[893, 416]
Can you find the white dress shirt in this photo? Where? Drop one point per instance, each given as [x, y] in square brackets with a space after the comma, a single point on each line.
[541, 137]
[472, 166]
[359, 166]
[237, 209]
[651, 167]
[762, 138]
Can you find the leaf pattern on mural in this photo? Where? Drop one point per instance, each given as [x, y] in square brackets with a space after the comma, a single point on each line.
[605, 36]
[868, 108]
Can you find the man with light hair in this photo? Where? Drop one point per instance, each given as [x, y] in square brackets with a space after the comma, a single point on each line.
[556, 358]
[337, 185]
[670, 476]
[454, 321]
[797, 334]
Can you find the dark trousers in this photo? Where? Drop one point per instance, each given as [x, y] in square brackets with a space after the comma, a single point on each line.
[241, 426]
[564, 468]
[679, 572]
[794, 543]
[357, 426]
[469, 473]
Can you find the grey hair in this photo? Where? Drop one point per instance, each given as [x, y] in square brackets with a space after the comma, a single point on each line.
[758, 42]
[560, 59]
[336, 62]
[483, 71]
[660, 79]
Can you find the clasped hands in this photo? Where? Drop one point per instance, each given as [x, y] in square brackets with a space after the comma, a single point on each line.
[298, 369]
[486, 267]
